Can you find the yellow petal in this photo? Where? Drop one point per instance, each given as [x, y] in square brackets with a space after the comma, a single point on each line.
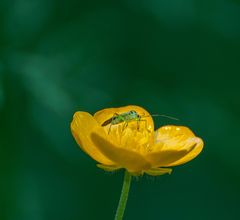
[81, 126]
[125, 158]
[158, 171]
[174, 145]
[173, 137]
[192, 154]
[165, 157]
[108, 168]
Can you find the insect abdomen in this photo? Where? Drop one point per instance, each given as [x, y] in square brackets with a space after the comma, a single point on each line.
[117, 120]
[109, 121]
[113, 121]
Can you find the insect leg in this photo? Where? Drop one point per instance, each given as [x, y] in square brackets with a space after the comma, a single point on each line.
[109, 128]
[115, 114]
[138, 121]
[125, 126]
[145, 122]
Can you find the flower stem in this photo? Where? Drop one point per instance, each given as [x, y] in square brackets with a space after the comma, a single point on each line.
[124, 196]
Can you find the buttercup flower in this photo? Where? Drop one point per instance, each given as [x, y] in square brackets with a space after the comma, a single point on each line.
[134, 145]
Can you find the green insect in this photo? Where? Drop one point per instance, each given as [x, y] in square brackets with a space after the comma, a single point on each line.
[127, 117]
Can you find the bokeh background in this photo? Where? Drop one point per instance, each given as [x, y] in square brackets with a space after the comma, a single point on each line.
[178, 57]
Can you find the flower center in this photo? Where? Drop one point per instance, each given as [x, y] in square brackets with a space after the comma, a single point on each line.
[134, 135]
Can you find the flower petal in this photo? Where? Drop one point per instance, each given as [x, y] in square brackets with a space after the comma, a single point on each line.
[108, 168]
[158, 171]
[81, 126]
[165, 157]
[125, 158]
[173, 137]
[192, 154]
[174, 145]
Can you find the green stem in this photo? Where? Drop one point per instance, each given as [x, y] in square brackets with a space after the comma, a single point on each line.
[124, 196]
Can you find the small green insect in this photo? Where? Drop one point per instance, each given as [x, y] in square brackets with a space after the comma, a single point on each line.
[127, 117]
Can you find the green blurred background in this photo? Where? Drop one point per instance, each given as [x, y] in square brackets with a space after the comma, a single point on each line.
[178, 57]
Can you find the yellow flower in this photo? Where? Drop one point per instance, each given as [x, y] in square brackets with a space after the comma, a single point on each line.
[134, 146]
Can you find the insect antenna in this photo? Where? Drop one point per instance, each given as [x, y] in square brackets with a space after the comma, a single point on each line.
[164, 116]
